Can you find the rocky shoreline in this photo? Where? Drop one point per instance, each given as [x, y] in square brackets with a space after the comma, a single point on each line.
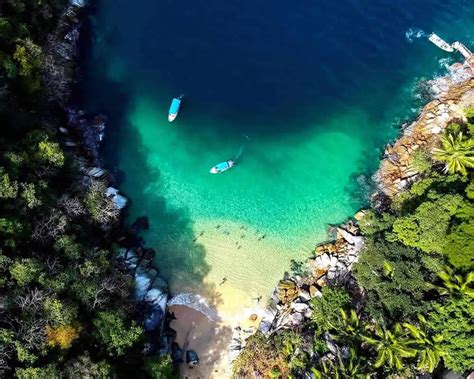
[82, 136]
[452, 94]
[290, 303]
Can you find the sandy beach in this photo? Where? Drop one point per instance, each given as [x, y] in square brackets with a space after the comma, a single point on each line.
[234, 288]
[211, 340]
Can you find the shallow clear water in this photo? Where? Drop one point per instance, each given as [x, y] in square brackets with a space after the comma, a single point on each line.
[306, 94]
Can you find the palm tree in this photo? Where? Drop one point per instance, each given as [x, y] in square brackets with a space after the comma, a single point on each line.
[456, 153]
[347, 326]
[351, 367]
[392, 347]
[456, 284]
[428, 347]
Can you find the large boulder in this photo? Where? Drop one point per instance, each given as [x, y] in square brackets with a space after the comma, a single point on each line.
[287, 291]
[350, 238]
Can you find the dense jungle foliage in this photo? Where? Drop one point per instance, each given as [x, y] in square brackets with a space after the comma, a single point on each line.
[65, 308]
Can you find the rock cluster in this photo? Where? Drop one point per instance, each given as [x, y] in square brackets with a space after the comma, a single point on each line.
[290, 304]
[150, 290]
[453, 94]
[83, 132]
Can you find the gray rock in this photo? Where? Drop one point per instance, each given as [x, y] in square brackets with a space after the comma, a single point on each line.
[283, 320]
[96, 172]
[323, 261]
[265, 326]
[297, 319]
[332, 274]
[268, 318]
[304, 295]
[119, 200]
[78, 3]
[299, 307]
[350, 238]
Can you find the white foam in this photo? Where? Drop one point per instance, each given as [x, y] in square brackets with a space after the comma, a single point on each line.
[195, 302]
[445, 62]
[413, 33]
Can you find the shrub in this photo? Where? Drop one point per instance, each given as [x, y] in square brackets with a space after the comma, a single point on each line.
[114, 333]
[159, 367]
[260, 358]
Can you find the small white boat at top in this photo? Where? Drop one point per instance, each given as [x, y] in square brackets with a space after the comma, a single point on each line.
[441, 43]
[221, 167]
[174, 108]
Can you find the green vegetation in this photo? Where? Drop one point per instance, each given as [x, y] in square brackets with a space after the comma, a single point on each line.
[160, 368]
[457, 153]
[113, 333]
[66, 310]
[411, 311]
[271, 357]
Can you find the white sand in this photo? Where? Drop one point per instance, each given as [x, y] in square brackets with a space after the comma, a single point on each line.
[250, 277]
[209, 339]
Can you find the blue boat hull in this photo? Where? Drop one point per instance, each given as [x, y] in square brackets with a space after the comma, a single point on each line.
[174, 109]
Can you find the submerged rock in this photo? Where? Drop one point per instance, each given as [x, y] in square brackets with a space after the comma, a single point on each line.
[156, 298]
[141, 223]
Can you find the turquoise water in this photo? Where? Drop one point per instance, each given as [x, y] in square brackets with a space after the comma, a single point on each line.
[305, 94]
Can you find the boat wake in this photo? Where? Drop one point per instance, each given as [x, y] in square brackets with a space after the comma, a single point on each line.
[414, 33]
[241, 149]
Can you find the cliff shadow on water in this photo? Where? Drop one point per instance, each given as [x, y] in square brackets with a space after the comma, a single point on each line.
[178, 255]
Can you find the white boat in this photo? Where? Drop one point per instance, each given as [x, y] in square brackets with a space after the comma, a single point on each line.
[441, 43]
[221, 167]
[174, 108]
